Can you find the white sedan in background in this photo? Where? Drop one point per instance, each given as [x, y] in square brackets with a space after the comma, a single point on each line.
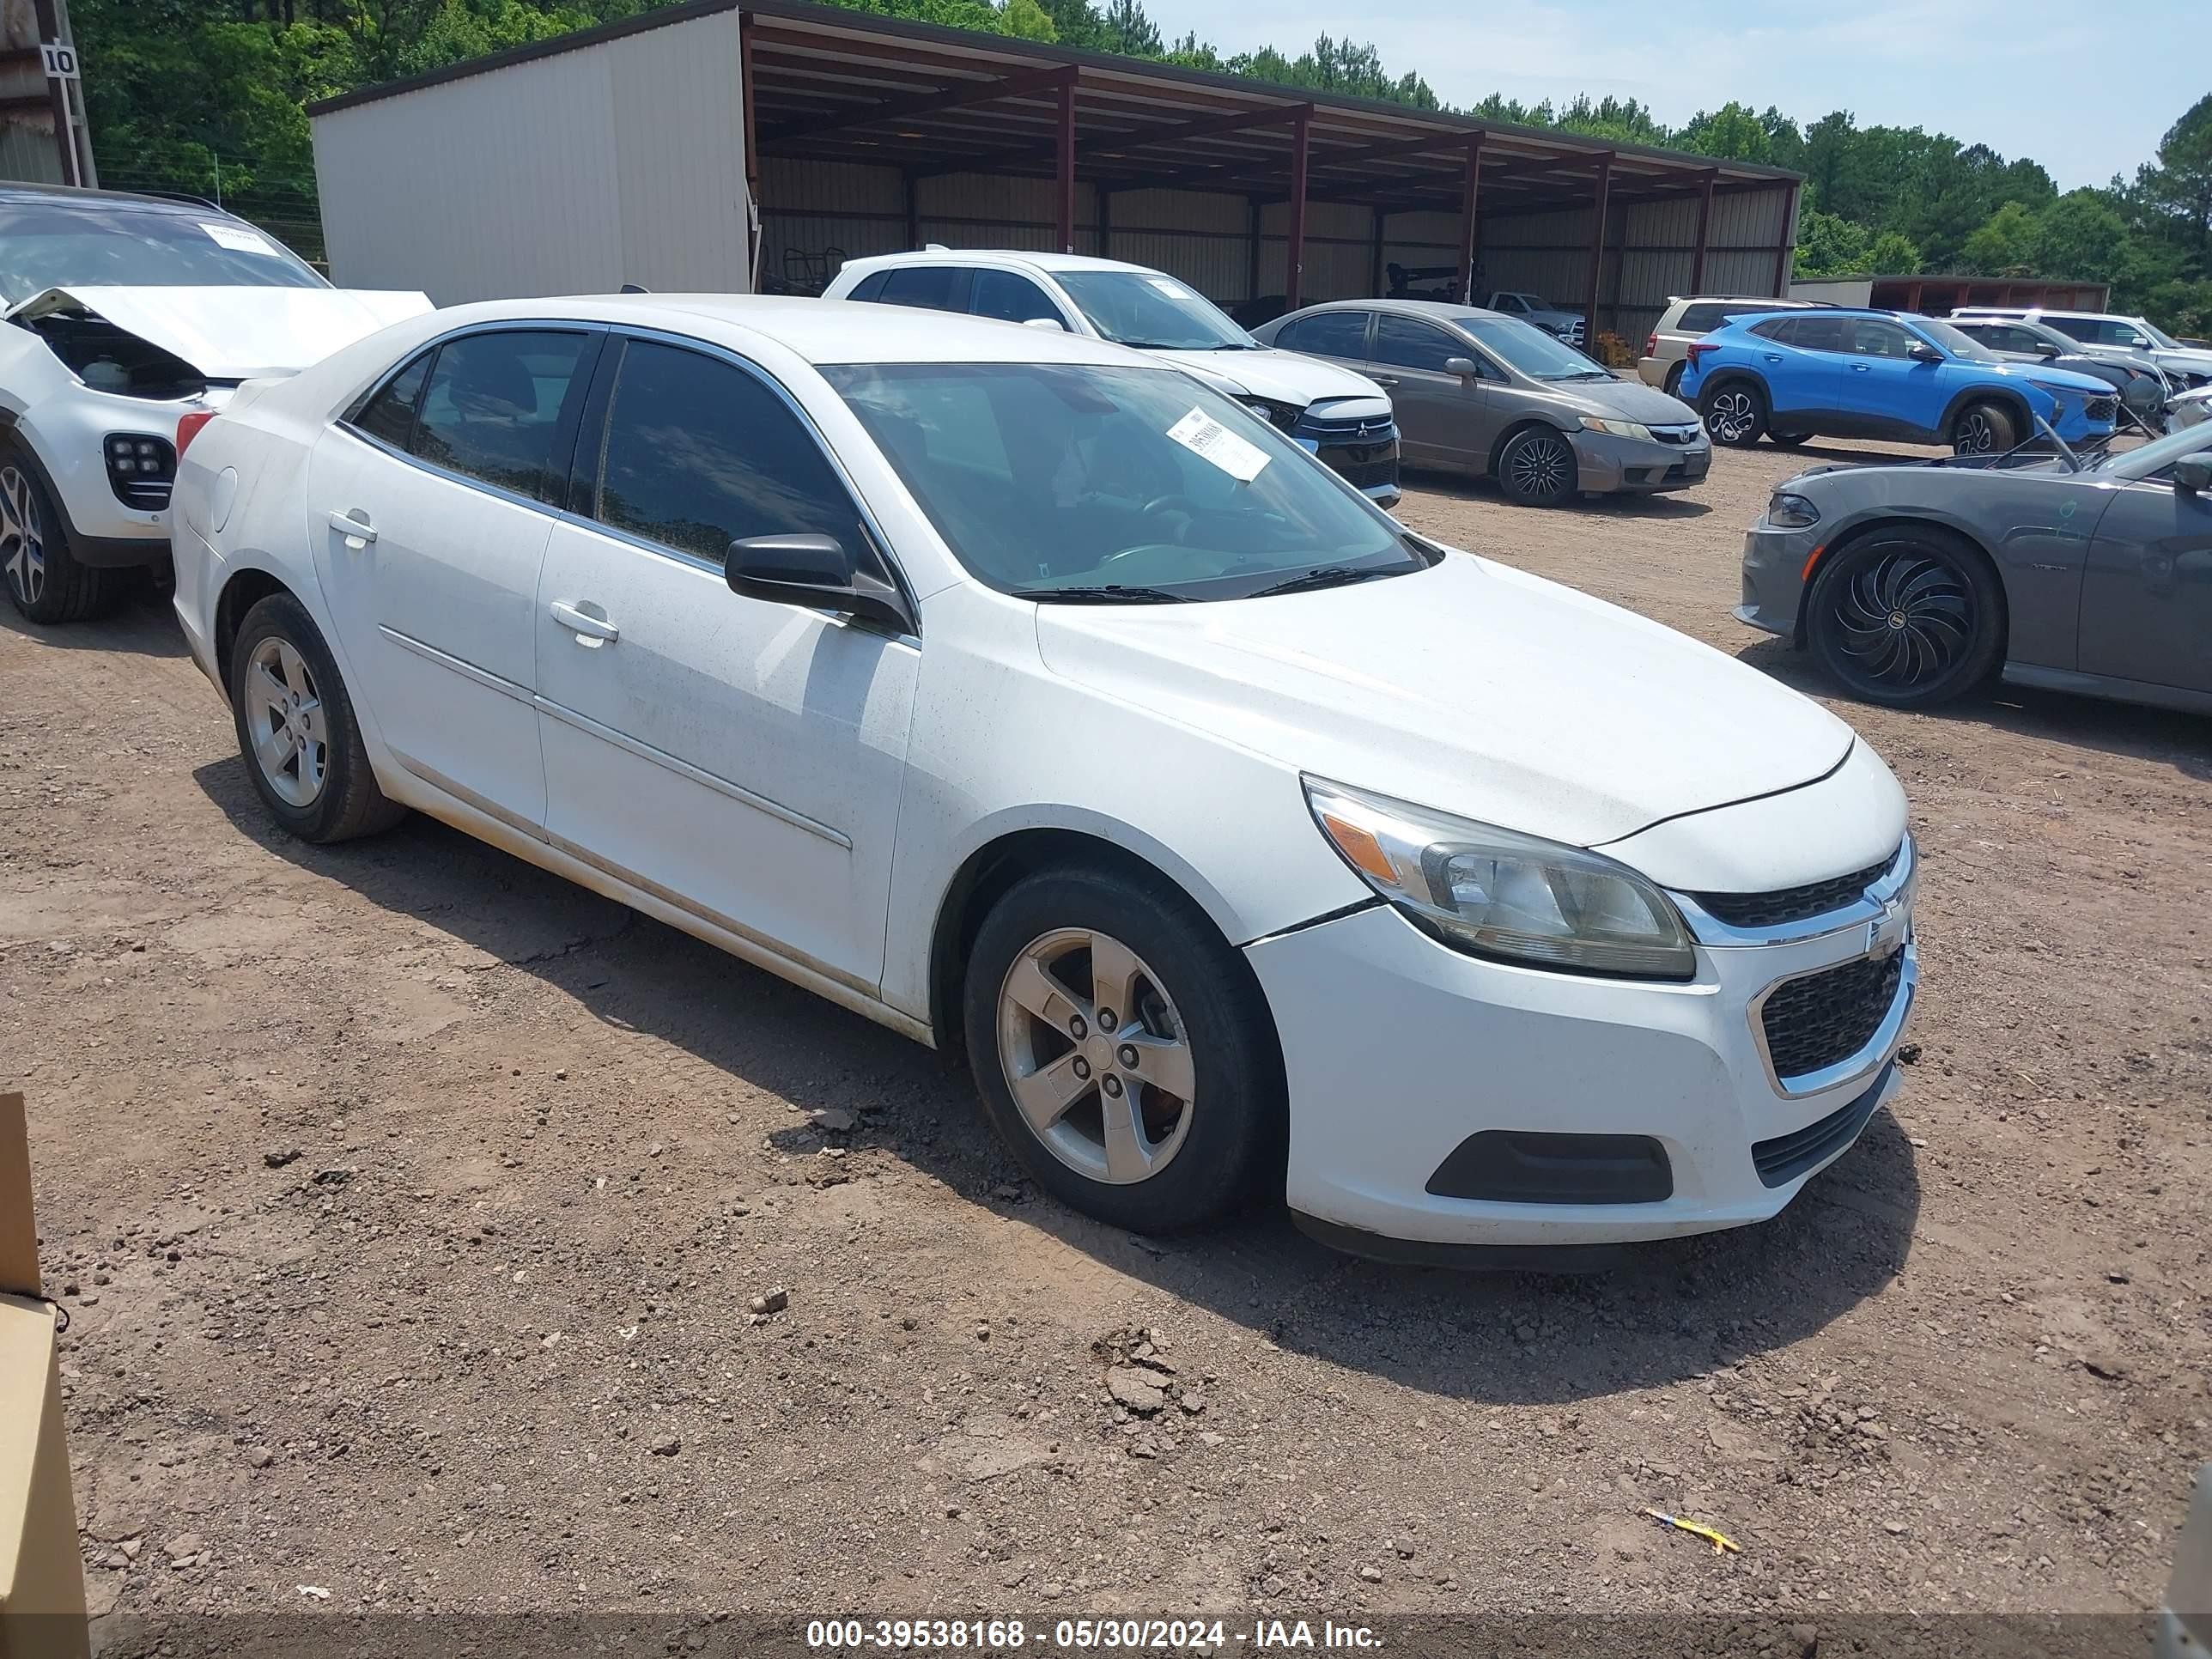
[1023, 694]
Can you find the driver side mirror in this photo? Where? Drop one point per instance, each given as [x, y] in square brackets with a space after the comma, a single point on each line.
[1053, 323]
[1466, 368]
[818, 572]
[2046, 348]
[1924, 353]
[2194, 475]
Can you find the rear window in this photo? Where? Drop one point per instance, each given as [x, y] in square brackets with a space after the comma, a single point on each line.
[1704, 318]
[494, 404]
[1326, 334]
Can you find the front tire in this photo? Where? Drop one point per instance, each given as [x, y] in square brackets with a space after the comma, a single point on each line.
[1983, 429]
[46, 581]
[1789, 440]
[1735, 413]
[1536, 468]
[1908, 618]
[296, 730]
[1123, 1051]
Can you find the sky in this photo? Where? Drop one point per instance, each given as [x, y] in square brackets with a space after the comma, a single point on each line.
[2087, 90]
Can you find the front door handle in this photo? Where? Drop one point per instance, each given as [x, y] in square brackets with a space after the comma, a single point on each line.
[1773, 357]
[1383, 380]
[354, 526]
[585, 626]
[1862, 368]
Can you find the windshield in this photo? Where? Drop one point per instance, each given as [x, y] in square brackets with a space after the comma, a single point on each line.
[1070, 481]
[1146, 309]
[1957, 343]
[1538, 355]
[2161, 453]
[44, 246]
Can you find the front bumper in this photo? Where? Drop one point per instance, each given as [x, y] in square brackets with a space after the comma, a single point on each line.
[1607, 465]
[1369, 465]
[1774, 563]
[1397, 1050]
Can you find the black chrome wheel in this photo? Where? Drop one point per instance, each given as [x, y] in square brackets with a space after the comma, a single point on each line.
[1906, 619]
[1537, 468]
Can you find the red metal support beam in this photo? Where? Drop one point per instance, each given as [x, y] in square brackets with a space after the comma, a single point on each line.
[1604, 202]
[1704, 231]
[1027, 85]
[1468, 211]
[1786, 255]
[1067, 157]
[1294, 246]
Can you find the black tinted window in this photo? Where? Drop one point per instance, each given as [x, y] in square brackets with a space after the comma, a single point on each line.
[1872, 337]
[390, 415]
[698, 453]
[493, 407]
[1777, 328]
[1703, 319]
[1011, 299]
[1327, 334]
[870, 287]
[1411, 343]
[932, 287]
[1815, 333]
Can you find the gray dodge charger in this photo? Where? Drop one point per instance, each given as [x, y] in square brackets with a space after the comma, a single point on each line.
[1913, 583]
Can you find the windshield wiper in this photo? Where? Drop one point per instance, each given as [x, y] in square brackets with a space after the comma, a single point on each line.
[1112, 594]
[1159, 345]
[1326, 575]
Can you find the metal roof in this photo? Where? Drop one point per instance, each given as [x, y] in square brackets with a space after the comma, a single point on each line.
[833, 84]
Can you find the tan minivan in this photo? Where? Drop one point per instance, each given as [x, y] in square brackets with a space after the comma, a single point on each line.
[1685, 320]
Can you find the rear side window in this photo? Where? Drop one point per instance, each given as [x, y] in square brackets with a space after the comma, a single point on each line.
[1815, 333]
[870, 287]
[1409, 344]
[1327, 334]
[390, 415]
[1011, 299]
[1778, 328]
[1702, 319]
[930, 288]
[493, 408]
[698, 453]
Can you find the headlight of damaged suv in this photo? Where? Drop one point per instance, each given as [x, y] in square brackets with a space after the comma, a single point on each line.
[1283, 416]
[1496, 893]
[1789, 511]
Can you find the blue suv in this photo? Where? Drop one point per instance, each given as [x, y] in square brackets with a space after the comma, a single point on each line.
[1878, 375]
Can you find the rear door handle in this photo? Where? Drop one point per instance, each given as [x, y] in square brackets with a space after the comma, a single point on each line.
[1773, 357]
[587, 626]
[354, 526]
[1862, 368]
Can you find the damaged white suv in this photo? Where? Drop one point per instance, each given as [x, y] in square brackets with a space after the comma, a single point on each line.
[126, 322]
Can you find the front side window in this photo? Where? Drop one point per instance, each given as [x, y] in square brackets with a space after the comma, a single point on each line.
[1529, 349]
[492, 408]
[1327, 334]
[1409, 343]
[104, 244]
[1150, 311]
[1077, 482]
[928, 288]
[1011, 299]
[1940, 333]
[1871, 337]
[698, 453]
[1510, 302]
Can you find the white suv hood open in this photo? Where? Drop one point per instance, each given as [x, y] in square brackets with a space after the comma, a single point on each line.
[1282, 377]
[237, 333]
[1470, 687]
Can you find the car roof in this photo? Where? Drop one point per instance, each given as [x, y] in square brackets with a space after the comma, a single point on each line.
[2043, 311]
[1774, 300]
[69, 195]
[966, 255]
[1444, 310]
[822, 331]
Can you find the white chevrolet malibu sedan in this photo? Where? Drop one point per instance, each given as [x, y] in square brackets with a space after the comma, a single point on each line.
[1025, 695]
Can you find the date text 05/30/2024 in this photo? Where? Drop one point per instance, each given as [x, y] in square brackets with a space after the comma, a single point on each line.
[1006, 1636]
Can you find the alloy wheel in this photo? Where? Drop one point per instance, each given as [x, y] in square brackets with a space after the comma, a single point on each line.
[1975, 435]
[1732, 417]
[1095, 1055]
[1538, 468]
[22, 536]
[285, 720]
[1907, 620]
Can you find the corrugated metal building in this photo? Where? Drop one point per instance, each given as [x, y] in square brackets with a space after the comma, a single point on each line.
[646, 150]
[33, 108]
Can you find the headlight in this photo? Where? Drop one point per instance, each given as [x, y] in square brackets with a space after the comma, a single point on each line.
[1789, 511]
[1494, 893]
[2059, 393]
[1618, 428]
[1282, 416]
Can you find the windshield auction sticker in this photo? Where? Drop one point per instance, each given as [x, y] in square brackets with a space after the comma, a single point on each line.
[1208, 440]
[237, 238]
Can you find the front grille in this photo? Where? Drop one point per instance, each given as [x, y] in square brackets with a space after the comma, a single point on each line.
[1347, 430]
[1789, 905]
[1676, 435]
[1366, 475]
[1824, 1018]
[1782, 1159]
[2099, 408]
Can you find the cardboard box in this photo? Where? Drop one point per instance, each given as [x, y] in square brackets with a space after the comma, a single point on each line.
[41, 1576]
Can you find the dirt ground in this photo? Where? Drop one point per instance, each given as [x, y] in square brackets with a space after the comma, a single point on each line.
[409, 1206]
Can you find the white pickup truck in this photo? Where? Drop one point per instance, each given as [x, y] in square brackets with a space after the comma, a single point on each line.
[1535, 308]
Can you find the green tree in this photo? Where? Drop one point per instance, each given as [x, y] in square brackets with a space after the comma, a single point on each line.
[1025, 20]
[2179, 182]
[2006, 245]
[1892, 254]
[1731, 131]
[1829, 246]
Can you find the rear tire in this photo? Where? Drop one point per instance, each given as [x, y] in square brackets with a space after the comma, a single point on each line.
[45, 580]
[1735, 413]
[1789, 440]
[1536, 468]
[1983, 429]
[1099, 1130]
[296, 730]
[1908, 618]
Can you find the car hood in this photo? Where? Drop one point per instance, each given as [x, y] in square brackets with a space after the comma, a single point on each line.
[1469, 687]
[1282, 377]
[2195, 362]
[2073, 380]
[1632, 400]
[236, 333]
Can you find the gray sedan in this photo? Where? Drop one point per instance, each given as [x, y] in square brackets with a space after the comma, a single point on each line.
[1911, 583]
[1482, 393]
